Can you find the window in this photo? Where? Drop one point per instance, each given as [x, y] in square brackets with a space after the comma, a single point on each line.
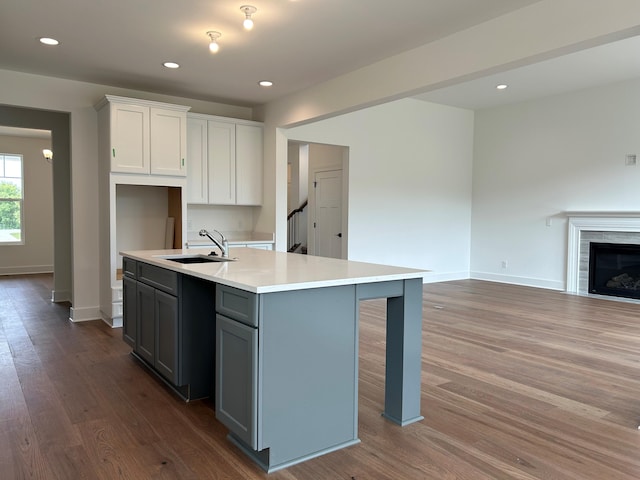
[11, 198]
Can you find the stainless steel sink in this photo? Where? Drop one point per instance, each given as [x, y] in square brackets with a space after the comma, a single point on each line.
[195, 258]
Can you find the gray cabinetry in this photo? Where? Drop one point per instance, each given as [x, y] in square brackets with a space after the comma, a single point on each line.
[129, 327]
[281, 358]
[286, 373]
[169, 319]
[237, 362]
[166, 326]
[145, 316]
[237, 369]
[130, 303]
[237, 304]
[157, 317]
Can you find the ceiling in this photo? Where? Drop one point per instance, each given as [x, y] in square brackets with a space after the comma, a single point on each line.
[295, 43]
[602, 65]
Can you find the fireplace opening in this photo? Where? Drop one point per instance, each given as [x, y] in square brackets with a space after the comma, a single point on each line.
[614, 269]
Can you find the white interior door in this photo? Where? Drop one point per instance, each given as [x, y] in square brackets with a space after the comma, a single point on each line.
[328, 213]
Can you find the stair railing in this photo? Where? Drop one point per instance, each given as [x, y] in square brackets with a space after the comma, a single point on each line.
[293, 227]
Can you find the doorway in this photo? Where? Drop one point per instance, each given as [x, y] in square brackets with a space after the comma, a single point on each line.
[59, 123]
[318, 176]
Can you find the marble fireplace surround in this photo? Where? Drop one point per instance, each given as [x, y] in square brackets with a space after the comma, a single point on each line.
[586, 227]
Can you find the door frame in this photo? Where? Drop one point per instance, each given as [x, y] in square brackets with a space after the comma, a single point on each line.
[345, 202]
[59, 124]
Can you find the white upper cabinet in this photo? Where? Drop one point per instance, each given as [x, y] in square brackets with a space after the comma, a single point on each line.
[222, 163]
[168, 134]
[225, 161]
[248, 165]
[146, 137]
[197, 181]
[129, 138]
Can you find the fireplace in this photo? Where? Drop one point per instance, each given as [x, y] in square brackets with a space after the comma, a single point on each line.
[585, 228]
[614, 269]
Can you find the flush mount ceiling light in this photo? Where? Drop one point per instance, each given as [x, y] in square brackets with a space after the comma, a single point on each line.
[502, 86]
[213, 44]
[248, 11]
[265, 83]
[49, 41]
[171, 65]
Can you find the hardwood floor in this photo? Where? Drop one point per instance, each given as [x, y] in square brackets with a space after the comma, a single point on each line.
[518, 383]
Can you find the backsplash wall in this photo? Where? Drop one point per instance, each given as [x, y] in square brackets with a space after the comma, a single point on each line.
[226, 218]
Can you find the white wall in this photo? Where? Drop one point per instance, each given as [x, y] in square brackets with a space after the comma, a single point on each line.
[537, 160]
[298, 175]
[141, 218]
[225, 218]
[409, 183]
[293, 169]
[36, 254]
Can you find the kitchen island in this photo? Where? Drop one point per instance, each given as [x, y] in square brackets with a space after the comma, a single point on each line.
[286, 342]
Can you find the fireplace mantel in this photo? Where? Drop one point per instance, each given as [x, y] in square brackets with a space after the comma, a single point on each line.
[579, 222]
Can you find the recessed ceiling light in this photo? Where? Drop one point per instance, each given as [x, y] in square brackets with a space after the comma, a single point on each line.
[265, 83]
[49, 41]
[502, 86]
[171, 65]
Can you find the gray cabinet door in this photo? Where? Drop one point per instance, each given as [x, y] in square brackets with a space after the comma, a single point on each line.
[145, 335]
[237, 379]
[129, 312]
[166, 348]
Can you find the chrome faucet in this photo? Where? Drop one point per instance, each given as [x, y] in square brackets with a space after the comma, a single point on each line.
[223, 245]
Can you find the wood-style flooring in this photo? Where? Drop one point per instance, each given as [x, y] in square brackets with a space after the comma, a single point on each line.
[518, 383]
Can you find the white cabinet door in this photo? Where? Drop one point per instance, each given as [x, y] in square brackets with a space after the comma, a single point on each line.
[168, 149]
[129, 139]
[197, 179]
[225, 162]
[248, 165]
[221, 139]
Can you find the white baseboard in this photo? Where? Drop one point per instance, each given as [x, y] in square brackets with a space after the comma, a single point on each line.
[113, 322]
[524, 281]
[58, 296]
[435, 277]
[84, 314]
[26, 270]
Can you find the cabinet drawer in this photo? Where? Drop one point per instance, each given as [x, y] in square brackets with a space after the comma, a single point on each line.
[237, 304]
[129, 267]
[157, 277]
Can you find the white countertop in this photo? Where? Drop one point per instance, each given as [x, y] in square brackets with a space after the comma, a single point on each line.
[264, 271]
[244, 238]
